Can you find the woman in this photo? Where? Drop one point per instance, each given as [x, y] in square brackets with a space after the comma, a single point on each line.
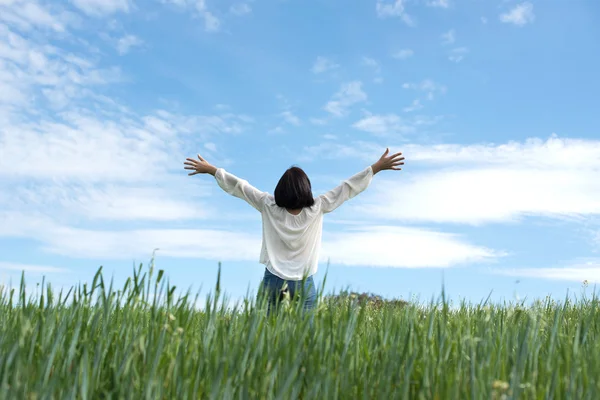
[292, 221]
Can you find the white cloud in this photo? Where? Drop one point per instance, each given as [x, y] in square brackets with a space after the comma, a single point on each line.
[323, 64]
[199, 8]
[458, 54]
[520, 15]
[318, 121]
[449, 37]
[349, 94]
[403, 54]
[290, 118]
[393, 9]
[552, 153]
[30, 268]
[116, 202]
[489, 183]
[93, 162]
[414, 106]
[380, 124]
[102, 7]
[240, 9]
[439, 3]
[577, 272]
[392, 124]
[211, 147]
[211, 22]
[116, 151]
[27, 15]
[125, 43]
[127, 244]
[387, 246]
[375, 66]
[330, 151]
[372, 63]
[429, 87]
[33, 73]
[381, 246]
[276, 131]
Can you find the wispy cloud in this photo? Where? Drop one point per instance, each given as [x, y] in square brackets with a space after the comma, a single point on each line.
[30, 268]
[75, 139]
[576, 272]
[403, 54]
[372, 63]
[349, 94]
[58, 76]
[375, 66]
[199, 8]
[499, 183]
[427, 86]
[520, 15]
[439, 3]
[27, 15]
[458, 54]
[318, 121]
[113, 201]
[401, 248]
[240, 9]
[381, 246]
[290, 118]
[103, 7]
[212, 244]
[127, 42]
[102, 162]
[323, 64]
[449, 37]
[414, 106]
[381, 125]
[393, 9]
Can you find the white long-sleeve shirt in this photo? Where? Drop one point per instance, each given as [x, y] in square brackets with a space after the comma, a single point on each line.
[291, 243]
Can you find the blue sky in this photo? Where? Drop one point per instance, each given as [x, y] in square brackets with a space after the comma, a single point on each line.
[492, 102]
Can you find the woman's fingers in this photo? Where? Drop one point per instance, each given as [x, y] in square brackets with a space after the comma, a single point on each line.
[191, 168]
[396, 169]
[201, 159]
[193, 173]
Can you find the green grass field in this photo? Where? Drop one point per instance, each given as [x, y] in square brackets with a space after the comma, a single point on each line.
[142, 342]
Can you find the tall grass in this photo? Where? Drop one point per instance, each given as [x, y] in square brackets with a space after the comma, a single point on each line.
[142, 341]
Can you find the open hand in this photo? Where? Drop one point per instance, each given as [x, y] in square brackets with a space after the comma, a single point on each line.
[386, 161]
[199, 166]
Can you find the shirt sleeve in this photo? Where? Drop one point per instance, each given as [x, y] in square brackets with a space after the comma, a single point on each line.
[241, 189]
[346, 190]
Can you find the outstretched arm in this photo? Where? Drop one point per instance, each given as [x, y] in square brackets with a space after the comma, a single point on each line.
[228, 182]
[359, 182]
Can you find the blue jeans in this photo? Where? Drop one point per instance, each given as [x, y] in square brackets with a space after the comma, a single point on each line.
[273, 286]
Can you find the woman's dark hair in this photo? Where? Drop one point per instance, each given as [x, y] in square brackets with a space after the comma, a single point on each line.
[294, 190]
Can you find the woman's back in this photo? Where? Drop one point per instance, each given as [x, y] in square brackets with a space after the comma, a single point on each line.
[292, 239]
[291, 243]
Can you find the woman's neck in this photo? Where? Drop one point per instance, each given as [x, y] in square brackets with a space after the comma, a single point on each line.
[294, 212]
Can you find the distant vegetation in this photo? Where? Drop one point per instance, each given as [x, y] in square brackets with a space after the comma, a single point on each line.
[143, 341]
